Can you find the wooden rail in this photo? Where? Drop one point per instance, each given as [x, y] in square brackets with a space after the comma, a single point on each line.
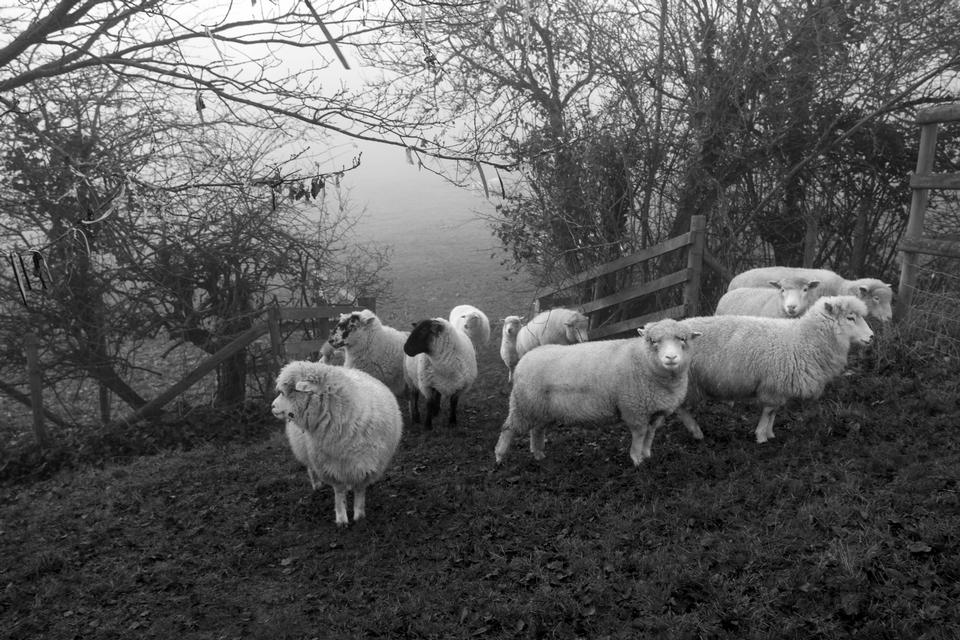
[694, 241]
[914, 242]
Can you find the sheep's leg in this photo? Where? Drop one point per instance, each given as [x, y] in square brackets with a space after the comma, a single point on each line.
[655, 423]
[314, 480]
[639, 433]
[765, 425]
[452, 418]
[507, 433]
[340, 504]
[433, 408]
[359, 502]
[413, 401]
[536, 442]
[688, 421]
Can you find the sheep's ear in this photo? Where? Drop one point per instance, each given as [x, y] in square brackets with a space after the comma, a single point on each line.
[640, 331]
[813, 284]
[695, 334]
[829, 307]
[303, 385]
[864, 291]
[775, 283]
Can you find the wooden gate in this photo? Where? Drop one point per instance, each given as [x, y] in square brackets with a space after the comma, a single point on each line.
[914, 242]
[689, 278]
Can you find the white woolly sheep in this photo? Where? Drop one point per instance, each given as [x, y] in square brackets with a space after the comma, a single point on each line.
[637, 380]
[772, 360]
[508, 344]
[372, 347]
[298, 439]
[554, 326]
[876, 294]
[789, 297]
[472, 322]
[443, 363]
[346, 428]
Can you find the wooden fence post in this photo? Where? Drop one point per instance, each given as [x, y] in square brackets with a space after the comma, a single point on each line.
[31, 344]
[691, 292]
[918, 210]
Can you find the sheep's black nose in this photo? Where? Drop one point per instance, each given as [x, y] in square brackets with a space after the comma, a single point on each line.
[290, 414]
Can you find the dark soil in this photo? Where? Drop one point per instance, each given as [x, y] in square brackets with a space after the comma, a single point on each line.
[844, 526]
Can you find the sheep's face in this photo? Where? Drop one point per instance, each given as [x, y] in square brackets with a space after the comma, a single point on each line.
[576, 328]
[282, 407]
[422, 336]
[511, 326]
[670, 341]
[348, 325]
[877, 296]
[848, 312]
[796, 295]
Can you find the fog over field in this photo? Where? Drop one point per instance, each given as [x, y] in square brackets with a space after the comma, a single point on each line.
[444, 252]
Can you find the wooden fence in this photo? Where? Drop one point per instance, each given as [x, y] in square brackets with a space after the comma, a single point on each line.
[280, 324]
[689, 278]
[914, 242]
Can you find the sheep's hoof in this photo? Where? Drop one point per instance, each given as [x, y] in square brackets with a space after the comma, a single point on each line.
[341, 524]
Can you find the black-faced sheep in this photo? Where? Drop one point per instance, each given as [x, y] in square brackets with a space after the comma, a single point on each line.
[637, 380]
[555, 326]
[876, 294]
[346, 426]
[772, 360]
[372, 347]
[443, 363]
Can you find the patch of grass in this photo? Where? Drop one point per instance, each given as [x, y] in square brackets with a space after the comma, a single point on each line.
[843, 526]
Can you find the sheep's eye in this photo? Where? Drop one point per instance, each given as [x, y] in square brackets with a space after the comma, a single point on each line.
[852, 318]
[682, 339]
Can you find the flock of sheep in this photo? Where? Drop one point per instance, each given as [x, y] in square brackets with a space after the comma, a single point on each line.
[779, 333]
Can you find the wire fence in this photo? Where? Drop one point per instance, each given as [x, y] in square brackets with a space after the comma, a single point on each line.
[934, 315]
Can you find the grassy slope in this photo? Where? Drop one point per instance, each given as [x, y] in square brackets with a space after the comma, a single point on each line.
[844, 525]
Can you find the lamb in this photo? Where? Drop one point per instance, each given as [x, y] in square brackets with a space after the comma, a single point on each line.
[508, 344]
[637, 380]
[343, 424]
[472, 322]
[372, 347]
[772, 359]
[875, 293]
[555, 326]
[443, 363]
[789, 297]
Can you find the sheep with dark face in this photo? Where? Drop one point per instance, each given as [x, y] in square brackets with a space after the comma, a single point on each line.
[639, 381]
[372, 347]
[876, 294]
[344, 425]
[443, 363]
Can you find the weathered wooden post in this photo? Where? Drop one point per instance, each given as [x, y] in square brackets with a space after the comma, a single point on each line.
[31, 344]
[918, 211]
[698, 239]
[276, 341]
